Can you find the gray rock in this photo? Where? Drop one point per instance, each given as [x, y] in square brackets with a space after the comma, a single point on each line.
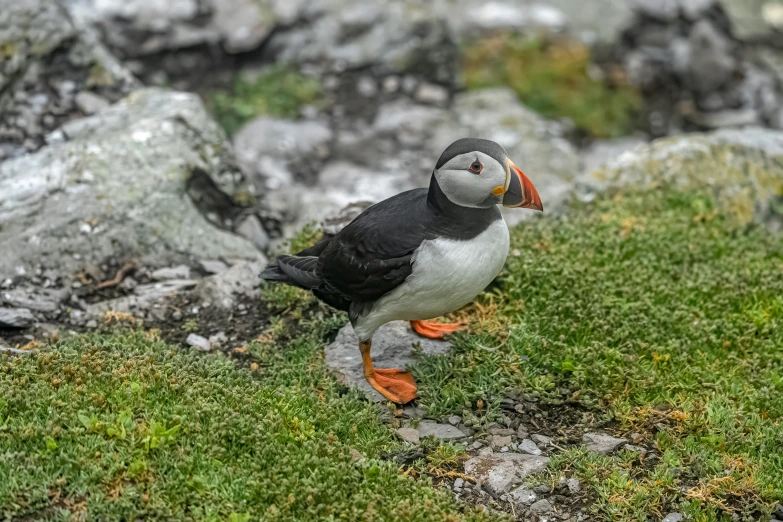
[672, 517]
[392, 348]
[271, 150]
[124, 169]
[15, 317]
[213, 266]
[90, 103]
[251, 229]
[439, 431]
[434, 94]
[218, 340]
[34, 298]
[574, 486]
[197, 341]
[174, 272]
[499, 441]
[599, 153]
[454, 419]
[144, 298]
[141, 27]
[498, 472]
[541, 507]
[602, 443]
[15, 351]
[241, 279]
[523, 495]
[458, 483]
[528, 446]
[663, 10]
[541, 439]
[409, 435]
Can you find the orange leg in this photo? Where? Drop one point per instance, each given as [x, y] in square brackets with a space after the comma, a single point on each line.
[394, 384]
[433, 330]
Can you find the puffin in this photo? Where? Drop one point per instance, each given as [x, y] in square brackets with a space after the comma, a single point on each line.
[417, 255]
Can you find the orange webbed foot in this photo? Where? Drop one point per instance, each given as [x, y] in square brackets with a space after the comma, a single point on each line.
[394, 384]
[433, 330]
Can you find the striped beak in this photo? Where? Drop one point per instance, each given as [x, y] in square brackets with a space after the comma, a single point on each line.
[520, 192]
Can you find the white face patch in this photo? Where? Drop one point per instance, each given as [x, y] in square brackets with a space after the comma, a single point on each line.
[469, 189]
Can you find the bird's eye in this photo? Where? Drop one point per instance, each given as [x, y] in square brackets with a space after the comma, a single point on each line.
[476, 166]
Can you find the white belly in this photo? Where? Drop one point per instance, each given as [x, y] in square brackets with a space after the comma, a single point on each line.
[447, 274]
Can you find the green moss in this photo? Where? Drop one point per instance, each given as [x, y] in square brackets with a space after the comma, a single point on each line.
[553, 77]
[280, 91]
[642, 299]
[125, 427]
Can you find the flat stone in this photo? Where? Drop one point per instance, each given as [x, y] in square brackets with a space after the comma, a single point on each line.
[528, 446]
[498, 441]
[197, 341]
[602, 443]
[392, 348]
[90, 103]
[673, 517]
[439, 431]
[15, 317]
[409, 435]
[541, 439]
[541, 506]
[224, 288]
[213, 266]
[175, 272]
[498, 472]
[523, 495]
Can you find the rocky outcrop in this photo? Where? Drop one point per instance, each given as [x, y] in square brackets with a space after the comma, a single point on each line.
[140, 180]
[743, 168]
[50, 73]
[696, 71]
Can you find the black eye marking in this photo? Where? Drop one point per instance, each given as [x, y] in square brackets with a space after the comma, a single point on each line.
[476, 167]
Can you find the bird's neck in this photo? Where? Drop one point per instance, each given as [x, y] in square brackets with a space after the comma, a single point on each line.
[443, 206]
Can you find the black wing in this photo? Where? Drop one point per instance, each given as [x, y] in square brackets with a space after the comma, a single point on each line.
[372, 255]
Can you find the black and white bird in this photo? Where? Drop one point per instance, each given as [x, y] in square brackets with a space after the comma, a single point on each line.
[417, 255]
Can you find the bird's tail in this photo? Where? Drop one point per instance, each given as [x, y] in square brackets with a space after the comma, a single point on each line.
[294, 270]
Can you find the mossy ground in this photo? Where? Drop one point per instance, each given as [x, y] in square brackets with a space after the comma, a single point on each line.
[121, 426]
[556, 78]
[656, 308]
[279, 91]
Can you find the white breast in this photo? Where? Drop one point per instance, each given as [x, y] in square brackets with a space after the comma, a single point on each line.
[447, 274]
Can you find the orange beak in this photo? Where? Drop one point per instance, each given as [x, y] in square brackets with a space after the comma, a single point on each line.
[520, 192]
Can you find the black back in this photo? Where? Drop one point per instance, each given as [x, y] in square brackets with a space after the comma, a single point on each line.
[372, 255]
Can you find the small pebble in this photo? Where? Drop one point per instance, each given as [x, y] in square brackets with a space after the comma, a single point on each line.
[197, 341]
[528, 446]
[458, 483]
[92, 323]
[454, 419]
[574, 485]
[672, 517]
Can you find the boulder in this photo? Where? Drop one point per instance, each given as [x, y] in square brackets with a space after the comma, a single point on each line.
[742, 168]
[149, 178]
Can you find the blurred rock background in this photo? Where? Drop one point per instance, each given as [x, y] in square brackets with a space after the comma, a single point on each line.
[137, 135]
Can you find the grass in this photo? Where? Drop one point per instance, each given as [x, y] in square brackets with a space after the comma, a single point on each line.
[554, 78]
[121, 426]
[280, 91]
[653, 308]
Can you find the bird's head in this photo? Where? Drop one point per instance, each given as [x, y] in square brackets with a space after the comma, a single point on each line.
[478, 173]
